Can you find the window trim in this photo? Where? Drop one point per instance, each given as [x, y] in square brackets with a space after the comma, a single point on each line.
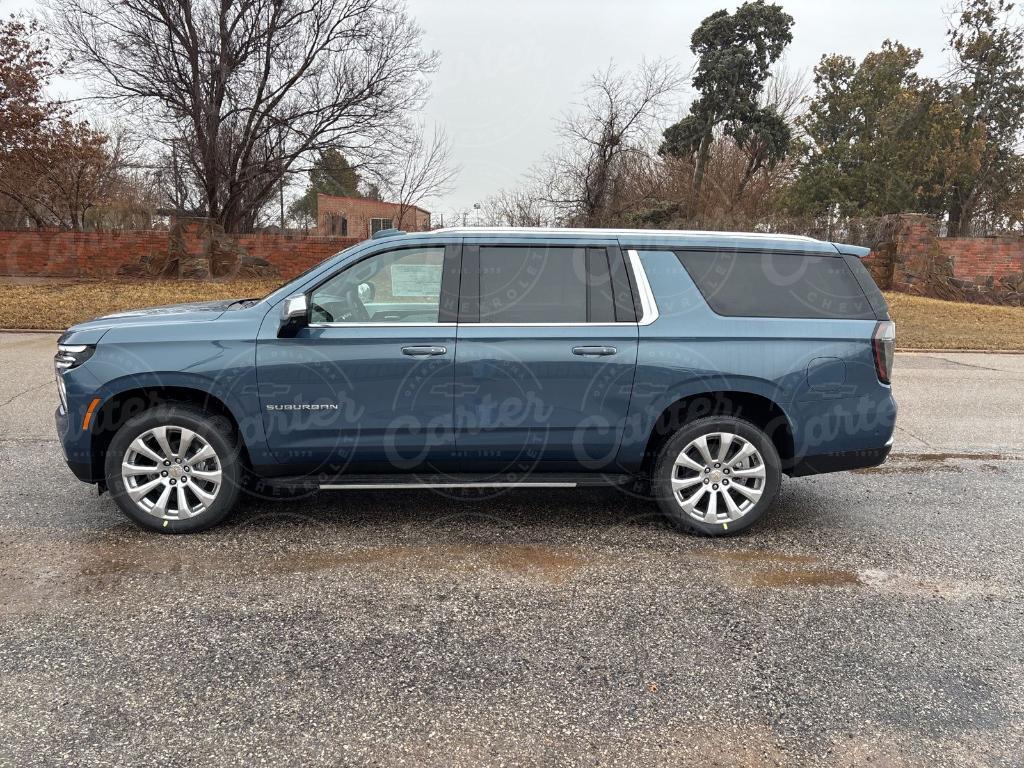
[643, 293]
[452, 261]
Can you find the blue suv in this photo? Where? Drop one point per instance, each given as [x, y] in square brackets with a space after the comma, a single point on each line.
[698, 367]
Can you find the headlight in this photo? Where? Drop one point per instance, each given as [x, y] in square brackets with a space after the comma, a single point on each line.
[71, 356]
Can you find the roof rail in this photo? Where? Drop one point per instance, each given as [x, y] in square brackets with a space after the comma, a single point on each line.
[380, 234]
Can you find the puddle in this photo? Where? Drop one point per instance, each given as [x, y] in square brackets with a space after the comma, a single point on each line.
[923, 463]
[34, 576]
[805, 578]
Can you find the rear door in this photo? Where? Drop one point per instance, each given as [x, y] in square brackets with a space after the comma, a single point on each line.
[546, 353]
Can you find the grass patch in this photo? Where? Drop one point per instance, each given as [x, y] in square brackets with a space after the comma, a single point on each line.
[934, 324]
[51, 304]
[55, 305]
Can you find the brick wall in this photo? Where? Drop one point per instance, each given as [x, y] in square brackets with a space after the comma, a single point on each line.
[105, 254]
[916, 260]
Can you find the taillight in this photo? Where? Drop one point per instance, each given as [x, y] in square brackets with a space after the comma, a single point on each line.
[883, 344]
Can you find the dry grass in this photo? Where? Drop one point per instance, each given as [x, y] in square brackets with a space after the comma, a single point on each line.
[933, 324]
[55, 304]
[921, 323]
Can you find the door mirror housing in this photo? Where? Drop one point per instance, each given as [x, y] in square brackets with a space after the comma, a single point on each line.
[294, 316]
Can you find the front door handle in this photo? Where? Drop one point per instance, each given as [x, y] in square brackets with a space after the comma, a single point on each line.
[594, 351]
[424, 351]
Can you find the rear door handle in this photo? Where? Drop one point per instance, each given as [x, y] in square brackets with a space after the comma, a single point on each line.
[424, 351]
[594, 351]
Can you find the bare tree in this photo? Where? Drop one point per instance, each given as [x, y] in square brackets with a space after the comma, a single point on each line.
[615, 124]
[521, 207]
[240, 91]
[422, 169]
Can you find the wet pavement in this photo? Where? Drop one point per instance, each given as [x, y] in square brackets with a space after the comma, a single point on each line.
[872, 618]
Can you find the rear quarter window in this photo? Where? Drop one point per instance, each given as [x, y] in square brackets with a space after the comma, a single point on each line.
[742, 284]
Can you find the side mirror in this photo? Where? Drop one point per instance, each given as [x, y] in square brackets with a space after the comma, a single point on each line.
[366, 292]
[294, 315]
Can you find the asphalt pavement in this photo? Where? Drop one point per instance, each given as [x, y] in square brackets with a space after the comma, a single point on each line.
[872, 618]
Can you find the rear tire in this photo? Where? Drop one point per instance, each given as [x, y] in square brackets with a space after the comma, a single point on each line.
[716, 476]
[174, 469]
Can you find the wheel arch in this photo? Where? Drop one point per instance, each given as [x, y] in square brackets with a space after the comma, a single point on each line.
[763, 412]
[125, 404]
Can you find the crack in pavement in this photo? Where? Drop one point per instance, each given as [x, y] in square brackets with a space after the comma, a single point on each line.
[10, 400]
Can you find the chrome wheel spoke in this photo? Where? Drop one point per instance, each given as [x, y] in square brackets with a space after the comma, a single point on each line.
[138, 469]
[160, 434]
[183, 505]
[744, 453]
[701, 444]
[203, 496]
[679, 484]
[211, 475]
[187, 435]
[755, 473]
[685, 461]
[751, 493]
[206, 452]
[690, 504]
[139, 492]
[731, 507]
[711, 516]
[142, 449]
[725, 445]
[160, 507]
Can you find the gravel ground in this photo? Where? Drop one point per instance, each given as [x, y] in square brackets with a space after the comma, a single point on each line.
[872, 618]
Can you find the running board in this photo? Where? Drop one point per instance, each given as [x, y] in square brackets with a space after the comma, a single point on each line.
[411, 482]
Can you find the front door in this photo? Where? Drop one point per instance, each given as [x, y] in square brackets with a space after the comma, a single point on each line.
[367, 386]
[546, 357]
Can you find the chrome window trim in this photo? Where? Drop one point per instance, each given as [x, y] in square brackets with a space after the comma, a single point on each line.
[382, 325]
[648, 306]
[412, 486]
[547, 325]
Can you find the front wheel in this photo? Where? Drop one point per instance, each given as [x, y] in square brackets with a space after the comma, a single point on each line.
[174, 469]
[716, 476]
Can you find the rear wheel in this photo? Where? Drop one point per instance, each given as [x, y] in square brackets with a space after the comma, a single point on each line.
[717, 476]
[174, 469]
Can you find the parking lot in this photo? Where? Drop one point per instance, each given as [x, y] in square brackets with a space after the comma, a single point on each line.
[872, 618]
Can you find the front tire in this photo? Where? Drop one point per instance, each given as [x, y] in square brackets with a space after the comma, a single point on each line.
[716, 476]
[174, 469]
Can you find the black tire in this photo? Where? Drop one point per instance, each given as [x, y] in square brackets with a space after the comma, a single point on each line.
[664, 468]
[215, 430]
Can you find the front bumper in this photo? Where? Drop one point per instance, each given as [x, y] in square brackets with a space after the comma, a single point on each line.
[80, 465]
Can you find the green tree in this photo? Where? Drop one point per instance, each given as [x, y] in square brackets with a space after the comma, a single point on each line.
[986, 89]
[331, 174]
[735, 55]
[877, 138]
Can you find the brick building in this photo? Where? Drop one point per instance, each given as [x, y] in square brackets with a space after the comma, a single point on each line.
[360, 217]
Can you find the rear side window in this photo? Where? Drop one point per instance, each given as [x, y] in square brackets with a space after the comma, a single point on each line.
[777, 285]
[544, 285]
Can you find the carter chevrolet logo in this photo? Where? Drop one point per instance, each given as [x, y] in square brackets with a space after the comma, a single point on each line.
[304, 407]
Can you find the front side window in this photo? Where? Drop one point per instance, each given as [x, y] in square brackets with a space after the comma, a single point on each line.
[402, 286]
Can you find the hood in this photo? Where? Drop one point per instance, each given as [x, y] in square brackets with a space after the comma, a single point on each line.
[89, 331]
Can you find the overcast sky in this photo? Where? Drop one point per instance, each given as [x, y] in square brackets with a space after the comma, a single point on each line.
[509, 69]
